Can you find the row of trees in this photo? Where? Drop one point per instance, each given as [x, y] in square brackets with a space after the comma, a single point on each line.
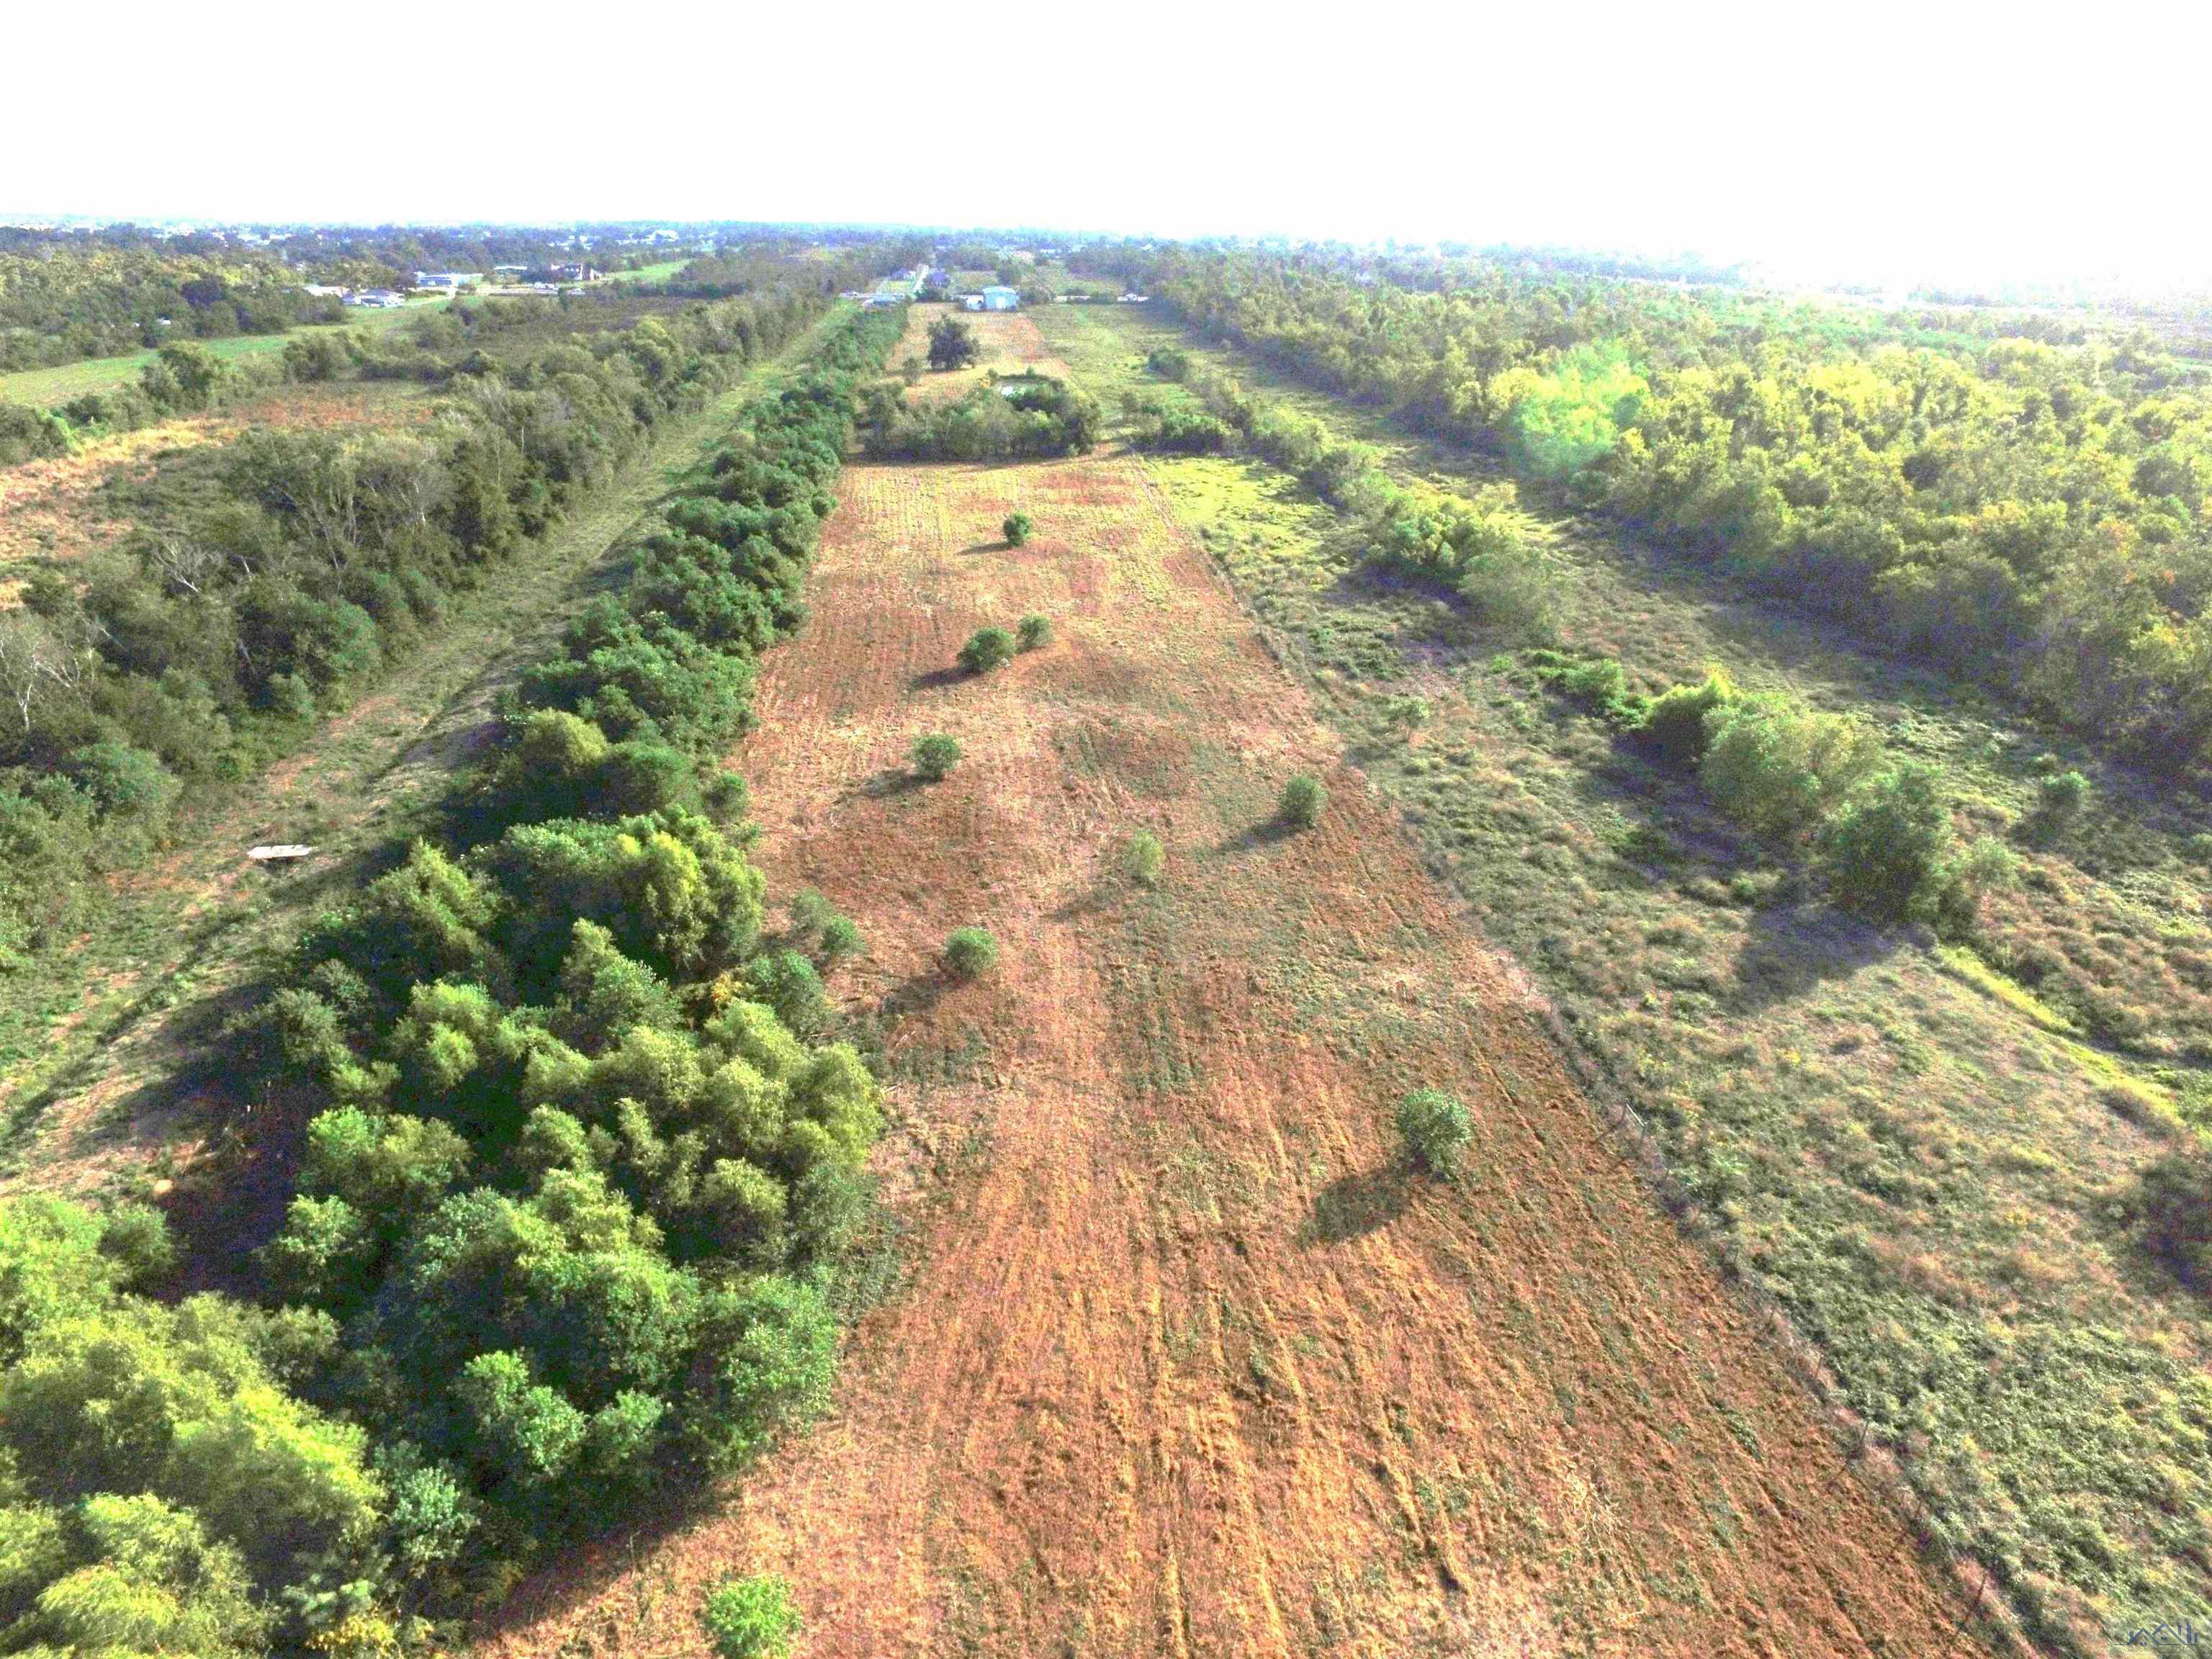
[1034, 416]
[2033, 515]
[569, 1197]
[1483, 552]
[204, 644]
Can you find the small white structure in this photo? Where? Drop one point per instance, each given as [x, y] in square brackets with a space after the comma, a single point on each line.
[998, 297]
[447, 279]
[376, 299]
[280, 853]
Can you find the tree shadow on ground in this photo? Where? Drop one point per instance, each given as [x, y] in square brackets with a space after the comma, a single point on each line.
[1266, 834]
[1355, 1205]
[1790, 949]
[892, 782]
[917, 995]
[936, 679]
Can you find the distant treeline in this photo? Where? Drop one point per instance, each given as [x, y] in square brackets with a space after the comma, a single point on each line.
[204, 644]
[64, 298]
[572, 1196]
[2031, 516]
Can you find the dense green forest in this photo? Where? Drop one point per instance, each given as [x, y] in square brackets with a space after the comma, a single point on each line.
[575, 1182]
[2031, 514]
[240, 611]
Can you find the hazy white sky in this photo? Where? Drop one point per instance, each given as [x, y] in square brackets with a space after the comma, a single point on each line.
[1889, 140]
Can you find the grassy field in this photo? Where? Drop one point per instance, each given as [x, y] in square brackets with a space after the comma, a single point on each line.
[1187, 1364]
[1007, 343]
[42, 388]
[102, 1052]
[653, 273]
[1922, 1160]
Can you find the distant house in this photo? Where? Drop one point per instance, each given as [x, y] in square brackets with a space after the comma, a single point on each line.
[376, 299]
[325, 290]
[447, 279]
[998, 297]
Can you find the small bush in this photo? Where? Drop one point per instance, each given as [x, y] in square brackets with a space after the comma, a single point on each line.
[751, 1618]
[841, 938]
[1303, 801]
[1889, 853]
[935, 755]
[1600, 685]
[1781, 769]
[809, 911]
[2059, 800]
[1017, 526]
[1034, 631]
[1406, 714]
[971, 953]
[1434, 1128]
[987, 648]
[1676, 722]
[1143, 860]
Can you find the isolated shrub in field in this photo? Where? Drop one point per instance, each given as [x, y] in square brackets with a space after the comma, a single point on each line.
[1034, 632]
[987, 648]
[841, 938]
[1143, 860]
[935, 755]
[1434, 1129]
[809, 911]
[1406, 714]
[1303, 802]
[1017, 526]
[751, 1618]
[2059, 800]
[1169, 362]
[1675, 723]
[971, 952]
[1600, 685]
[1779, 770]
[1889, 853]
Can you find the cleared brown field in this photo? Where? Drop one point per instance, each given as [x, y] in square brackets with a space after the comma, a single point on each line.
[1185, 1366]
[48, 508]
[1009, 342]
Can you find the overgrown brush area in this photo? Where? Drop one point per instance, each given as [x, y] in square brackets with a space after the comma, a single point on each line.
[1922, 1126]
[269, 581]
[570, 1196]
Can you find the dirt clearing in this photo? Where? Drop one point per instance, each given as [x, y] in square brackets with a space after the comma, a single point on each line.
[1185, 1365]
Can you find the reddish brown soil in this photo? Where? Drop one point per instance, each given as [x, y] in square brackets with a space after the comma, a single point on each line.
[1185, 1365]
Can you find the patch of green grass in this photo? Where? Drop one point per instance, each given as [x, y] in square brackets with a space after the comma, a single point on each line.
[44, 387]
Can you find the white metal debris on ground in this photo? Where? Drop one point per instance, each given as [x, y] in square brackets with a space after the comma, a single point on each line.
[288, 850]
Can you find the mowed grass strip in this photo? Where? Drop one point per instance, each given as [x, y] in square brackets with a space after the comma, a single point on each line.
[1918, 1159]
